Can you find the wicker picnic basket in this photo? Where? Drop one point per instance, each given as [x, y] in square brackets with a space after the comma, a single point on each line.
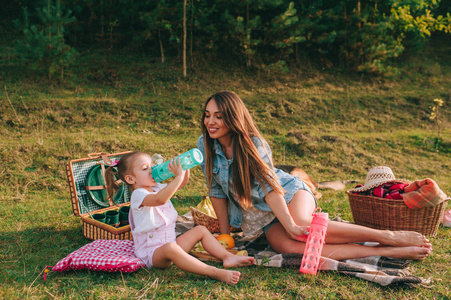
[393, 214]
[212, 224]
[83, 206]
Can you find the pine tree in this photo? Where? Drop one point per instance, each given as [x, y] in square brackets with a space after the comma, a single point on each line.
[43, 46]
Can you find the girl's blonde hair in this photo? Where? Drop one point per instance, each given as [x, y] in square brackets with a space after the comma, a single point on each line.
[246, 159]
[123, 168]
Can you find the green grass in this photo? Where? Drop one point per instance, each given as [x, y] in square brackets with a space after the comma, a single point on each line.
[335, 126]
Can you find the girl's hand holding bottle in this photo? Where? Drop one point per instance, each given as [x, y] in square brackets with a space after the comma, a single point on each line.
[189, 159]
[175, 167]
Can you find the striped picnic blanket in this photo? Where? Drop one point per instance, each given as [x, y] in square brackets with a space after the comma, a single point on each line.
[380, 270]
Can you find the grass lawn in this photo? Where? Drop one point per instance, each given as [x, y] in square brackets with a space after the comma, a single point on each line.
[335, 126]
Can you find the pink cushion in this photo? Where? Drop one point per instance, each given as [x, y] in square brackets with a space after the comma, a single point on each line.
[102, 255]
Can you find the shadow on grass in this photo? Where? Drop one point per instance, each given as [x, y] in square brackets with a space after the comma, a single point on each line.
[26, 253]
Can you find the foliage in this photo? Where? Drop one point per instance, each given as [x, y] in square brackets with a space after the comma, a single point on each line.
[357, 35]
[242, 27]
[435, 115]
[333, 125]
[160, 22]
[43, 45]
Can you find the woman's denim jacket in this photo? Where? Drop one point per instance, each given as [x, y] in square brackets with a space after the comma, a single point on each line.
[222, 175]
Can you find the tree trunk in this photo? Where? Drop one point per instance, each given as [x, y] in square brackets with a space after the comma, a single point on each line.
[102, 21]
[358, 13]
[184, 38]
[161, 46]
[49, 26]
[248, 38]
[191, 35]
[345, 13]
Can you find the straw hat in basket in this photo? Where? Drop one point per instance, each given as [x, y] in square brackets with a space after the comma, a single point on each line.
[377, 176]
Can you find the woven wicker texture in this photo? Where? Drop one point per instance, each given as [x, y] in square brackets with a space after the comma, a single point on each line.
[105, 232]
[210, 223]
[393, 214]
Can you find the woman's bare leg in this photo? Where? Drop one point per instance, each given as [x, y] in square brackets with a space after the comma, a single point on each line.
[170, 253]
[302, 206]
[281, 243]
[344, 233]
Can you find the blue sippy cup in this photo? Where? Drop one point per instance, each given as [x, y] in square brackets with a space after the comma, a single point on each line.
[188, 160]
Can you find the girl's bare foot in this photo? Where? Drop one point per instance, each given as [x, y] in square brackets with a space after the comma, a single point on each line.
[230, 277]
[404, 239]
[412, 252]
[238, 261]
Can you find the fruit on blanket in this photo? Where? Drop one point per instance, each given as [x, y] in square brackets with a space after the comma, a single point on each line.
[198, 248]
[242, 253]
[224, 244]
[206, 207]
[228, 239]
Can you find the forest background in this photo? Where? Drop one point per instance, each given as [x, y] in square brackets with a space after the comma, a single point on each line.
[336, 87]
[354, 35]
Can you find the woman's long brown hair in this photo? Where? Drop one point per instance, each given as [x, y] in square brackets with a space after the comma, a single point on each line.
[246, 159]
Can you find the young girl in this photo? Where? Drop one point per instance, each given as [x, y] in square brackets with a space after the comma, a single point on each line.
[248, 192]
[152, 220]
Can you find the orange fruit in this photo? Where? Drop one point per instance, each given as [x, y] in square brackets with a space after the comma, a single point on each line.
[228, 239]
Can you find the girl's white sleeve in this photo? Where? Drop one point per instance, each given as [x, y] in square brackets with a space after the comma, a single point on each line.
[137, 197]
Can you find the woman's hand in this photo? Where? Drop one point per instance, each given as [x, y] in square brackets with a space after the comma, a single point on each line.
[220, 206]
[279, 207]
[299, 233]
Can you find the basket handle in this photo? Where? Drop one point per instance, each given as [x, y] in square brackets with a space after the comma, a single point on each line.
[102, 155]
[95, 155]
[106, 159]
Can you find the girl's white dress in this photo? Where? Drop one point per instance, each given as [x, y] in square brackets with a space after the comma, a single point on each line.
[152, 226]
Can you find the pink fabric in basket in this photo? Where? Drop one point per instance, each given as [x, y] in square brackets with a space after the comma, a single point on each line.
[102, 255]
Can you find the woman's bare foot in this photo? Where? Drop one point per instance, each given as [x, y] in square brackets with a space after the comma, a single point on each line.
[230, 277]
[238, 261]
[404, 239]
[412, 252]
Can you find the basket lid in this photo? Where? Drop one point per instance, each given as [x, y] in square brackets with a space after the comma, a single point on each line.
[85, 178]
[96, 188]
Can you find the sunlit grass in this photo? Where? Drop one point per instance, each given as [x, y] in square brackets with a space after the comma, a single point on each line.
[334, 126]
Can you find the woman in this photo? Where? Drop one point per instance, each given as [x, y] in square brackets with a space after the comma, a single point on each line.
[248, 192]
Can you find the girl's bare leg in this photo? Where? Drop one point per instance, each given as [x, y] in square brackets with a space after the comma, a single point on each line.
[281, 243]
[199, 233]
[170, 253]
[302, 206]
